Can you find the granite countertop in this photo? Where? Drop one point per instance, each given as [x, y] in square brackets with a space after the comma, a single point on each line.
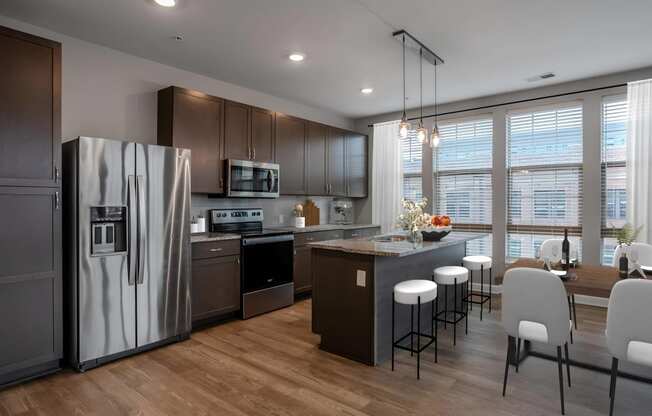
[206, 237]
[324, 227]
[371, 246]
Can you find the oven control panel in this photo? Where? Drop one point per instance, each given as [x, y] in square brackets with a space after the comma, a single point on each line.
[235, 215]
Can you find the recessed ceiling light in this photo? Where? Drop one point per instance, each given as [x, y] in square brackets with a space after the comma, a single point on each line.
[297, 57]
[367, 91]
[166, 3]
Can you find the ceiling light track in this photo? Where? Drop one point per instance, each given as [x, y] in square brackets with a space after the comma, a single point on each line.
[415, 44]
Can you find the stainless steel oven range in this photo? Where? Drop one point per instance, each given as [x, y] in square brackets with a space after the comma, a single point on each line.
[267, 258]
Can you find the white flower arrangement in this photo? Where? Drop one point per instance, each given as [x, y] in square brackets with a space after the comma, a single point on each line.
[413, 219]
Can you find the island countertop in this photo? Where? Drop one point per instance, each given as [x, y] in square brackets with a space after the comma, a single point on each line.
[374, 246]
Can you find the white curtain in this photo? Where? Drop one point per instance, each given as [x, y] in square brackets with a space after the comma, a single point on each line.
[639, 157]
[387, 176]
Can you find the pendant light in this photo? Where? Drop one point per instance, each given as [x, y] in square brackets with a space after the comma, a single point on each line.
[422, 132]
[404, 125]
[434, 135]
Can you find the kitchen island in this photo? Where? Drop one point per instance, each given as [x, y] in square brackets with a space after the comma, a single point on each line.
[352, 289]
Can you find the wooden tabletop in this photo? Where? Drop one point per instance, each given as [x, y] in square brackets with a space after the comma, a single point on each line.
[591, 280]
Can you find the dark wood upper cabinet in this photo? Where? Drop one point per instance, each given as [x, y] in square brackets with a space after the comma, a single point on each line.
[316, 159]
[262, 135]
[194, 121]
[237, 124]
[30, 110]
[291, 154]
[335, 164]
[356, 165]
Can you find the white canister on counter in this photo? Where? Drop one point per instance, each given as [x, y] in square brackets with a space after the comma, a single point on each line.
[201, 224]
[300, 222]
[194, 227]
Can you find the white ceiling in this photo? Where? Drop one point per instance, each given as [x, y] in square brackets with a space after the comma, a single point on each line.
[490, 46]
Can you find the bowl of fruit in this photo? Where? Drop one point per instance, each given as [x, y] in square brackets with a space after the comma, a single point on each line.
[439, 227]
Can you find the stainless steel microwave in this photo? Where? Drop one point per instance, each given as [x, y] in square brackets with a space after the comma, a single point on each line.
[246, 178]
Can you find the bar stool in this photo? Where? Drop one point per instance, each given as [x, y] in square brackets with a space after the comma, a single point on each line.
[447, 276]
[414, 292]
[479, 263]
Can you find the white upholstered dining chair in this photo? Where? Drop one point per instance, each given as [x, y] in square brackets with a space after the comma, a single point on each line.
[535, 308]
[629, 333]
[550, 252]
[640, 253]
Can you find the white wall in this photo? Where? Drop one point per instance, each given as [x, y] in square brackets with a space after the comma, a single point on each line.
[107, 93]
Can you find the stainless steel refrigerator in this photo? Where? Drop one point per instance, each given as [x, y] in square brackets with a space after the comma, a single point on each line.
[127, 253]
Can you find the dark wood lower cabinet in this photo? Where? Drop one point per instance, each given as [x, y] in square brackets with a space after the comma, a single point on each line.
[302, 270]
[30, 282]
[215, 287]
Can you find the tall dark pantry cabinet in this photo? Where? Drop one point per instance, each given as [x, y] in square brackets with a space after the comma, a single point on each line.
[30, 206]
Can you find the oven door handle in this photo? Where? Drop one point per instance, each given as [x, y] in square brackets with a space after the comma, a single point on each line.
[267, 240]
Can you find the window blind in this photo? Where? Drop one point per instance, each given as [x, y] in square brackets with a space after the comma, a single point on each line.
[614, 192]
[544, 177]
[411, 157]
[463, 178]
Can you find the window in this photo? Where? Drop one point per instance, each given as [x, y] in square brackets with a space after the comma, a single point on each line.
[411, 158]
[544, 173]
[614, 192]
[462, 167]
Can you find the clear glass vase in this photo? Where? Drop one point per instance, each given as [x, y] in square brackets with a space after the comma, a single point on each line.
[415, 237]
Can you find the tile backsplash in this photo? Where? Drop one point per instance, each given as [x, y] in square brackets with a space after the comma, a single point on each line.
[277, 211]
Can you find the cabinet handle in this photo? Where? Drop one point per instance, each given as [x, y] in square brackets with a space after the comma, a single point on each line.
[57, 200]
[295, 252]
[237, 260]
[355, 235]
[253, 150]
[309, 238]
[213, 250]
[57, 174]
[221, 183]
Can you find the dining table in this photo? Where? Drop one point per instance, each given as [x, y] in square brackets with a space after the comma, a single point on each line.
[590, 353]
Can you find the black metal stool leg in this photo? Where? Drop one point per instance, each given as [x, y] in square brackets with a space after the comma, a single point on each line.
[418, 337]
[436, 306]
[393, 331]
[411, 330]
[481, 290]
[574, 311]
[518, 352]
[491, 291]
[445, 306]
[455, 313]
[470, 294]
[466, 310]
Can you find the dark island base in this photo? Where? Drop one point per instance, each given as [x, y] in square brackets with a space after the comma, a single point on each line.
[354, 320]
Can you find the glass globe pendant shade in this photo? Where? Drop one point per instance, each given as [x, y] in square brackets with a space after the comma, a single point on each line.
[422, 134]
[403, 128]
[434, 136]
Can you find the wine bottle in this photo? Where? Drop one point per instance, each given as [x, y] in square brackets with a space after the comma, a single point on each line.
[565, 250]
[623, 266]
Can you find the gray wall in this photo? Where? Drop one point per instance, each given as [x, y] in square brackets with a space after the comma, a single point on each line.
[591, 215]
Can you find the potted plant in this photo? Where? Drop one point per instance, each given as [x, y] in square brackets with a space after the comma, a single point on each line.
[299, 219]
[413, 219]
[625, 237]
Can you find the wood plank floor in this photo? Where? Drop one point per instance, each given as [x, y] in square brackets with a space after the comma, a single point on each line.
[271, 365]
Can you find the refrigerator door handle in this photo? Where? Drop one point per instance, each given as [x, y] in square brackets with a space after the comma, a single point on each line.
[140, 186]
[133, 230]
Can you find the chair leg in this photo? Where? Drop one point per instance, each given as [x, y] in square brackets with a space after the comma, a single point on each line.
[574, 311]
[614, 377]
[393, 331]
[571, 336]
[418, 337]
[518, 352]
[470, 294]
[509, 348]
[411, 330]
[481, 290]
[567, 364]
[561, 380]
[455, 312]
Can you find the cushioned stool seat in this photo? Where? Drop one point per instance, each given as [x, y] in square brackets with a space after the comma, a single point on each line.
[448, 274]
[475, 262]
[408, 292]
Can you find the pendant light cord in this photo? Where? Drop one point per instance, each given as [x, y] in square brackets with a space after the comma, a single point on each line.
[404, 114]
[421, 85]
